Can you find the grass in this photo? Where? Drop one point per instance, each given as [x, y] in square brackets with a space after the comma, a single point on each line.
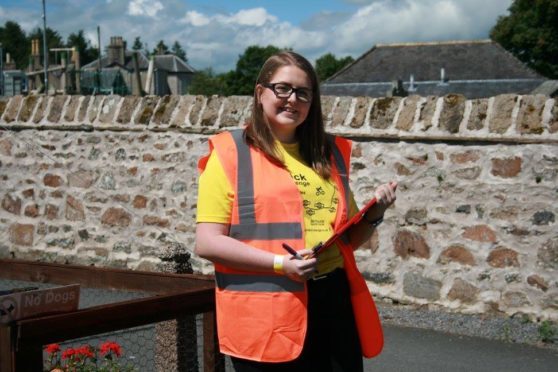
[548, 332]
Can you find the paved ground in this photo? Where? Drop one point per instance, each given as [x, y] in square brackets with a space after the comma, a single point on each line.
[421, 350]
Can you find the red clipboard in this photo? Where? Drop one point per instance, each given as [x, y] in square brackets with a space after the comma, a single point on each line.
[343, 229]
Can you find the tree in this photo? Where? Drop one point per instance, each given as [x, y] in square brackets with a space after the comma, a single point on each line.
[138, 44]
[207, 83]
[327, 65]
[530, 32]
[178, 51]
[242, 80]
[14, 41]
[161, 48]
[86, 52]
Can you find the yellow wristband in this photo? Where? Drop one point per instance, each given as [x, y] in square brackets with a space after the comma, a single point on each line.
[278, 264]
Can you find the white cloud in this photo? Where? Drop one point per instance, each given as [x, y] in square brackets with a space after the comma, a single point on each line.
[148, 8]
[195, 19]
[206, 52]
[281, 35]
[92, 37]
[411, 21]
[251, 17]
[256, 17]
[230, 34]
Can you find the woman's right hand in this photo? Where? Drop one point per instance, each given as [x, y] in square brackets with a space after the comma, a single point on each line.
[300, 270]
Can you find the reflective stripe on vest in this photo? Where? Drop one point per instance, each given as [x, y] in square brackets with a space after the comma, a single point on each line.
[257, 283]
[248, 228]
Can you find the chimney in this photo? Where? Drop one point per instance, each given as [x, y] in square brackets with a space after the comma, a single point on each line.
[412, 87]
[116, 50]
[443, 79]
[9, 65]
[35, 55]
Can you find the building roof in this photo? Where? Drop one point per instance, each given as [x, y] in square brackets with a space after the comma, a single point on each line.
[477, 68]
[168, 62]
[143, 62]
[172, 63]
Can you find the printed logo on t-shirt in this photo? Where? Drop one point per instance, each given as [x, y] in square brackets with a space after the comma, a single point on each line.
[300, 180]
[321, 201]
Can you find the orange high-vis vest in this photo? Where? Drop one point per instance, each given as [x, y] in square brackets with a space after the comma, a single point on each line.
[263, 316]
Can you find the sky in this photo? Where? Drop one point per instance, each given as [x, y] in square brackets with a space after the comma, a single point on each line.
[215, 33]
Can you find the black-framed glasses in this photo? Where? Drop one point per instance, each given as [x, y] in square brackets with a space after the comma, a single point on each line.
[283, 90]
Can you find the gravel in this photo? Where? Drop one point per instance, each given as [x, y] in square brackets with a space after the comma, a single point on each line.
[515, 329]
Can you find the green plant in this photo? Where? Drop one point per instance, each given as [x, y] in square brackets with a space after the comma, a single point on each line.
[547, 331]
[506, 333]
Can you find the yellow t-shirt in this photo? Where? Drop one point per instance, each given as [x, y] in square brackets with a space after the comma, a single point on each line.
[319, 195]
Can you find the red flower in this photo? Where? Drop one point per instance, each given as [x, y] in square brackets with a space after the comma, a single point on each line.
[110, 346]
[68, 353]
[52, 348]
[85, 351]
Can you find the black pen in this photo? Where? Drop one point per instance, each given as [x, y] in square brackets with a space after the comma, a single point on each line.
[293, 253]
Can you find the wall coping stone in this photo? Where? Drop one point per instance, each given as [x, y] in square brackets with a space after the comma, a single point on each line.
[505, 118]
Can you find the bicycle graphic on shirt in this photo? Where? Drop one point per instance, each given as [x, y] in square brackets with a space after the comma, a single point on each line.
[311, 210]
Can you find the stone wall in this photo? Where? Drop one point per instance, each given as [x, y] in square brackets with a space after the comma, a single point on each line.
[111, 181]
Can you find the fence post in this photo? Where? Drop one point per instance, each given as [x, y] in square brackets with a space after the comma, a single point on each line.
[6, 355]
[177, 344]
[28, 358]
[213, 360]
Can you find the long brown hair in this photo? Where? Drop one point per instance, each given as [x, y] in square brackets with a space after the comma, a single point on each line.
[311, 136]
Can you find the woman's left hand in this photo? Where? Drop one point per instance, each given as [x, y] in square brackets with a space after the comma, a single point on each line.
[385, 197]
[385, 194]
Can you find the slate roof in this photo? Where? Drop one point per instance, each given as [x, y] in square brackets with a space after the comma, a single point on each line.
[143, 62]
[172, 63]
[479, 68]
[166, 62]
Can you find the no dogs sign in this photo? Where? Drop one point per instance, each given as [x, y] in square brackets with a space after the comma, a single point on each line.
[20, 305]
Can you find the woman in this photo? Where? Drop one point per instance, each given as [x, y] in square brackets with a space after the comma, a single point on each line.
[284, 180]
